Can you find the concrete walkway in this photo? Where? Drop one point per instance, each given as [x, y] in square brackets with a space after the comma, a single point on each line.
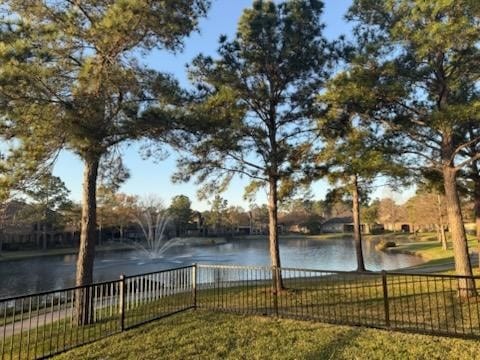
[36, 321]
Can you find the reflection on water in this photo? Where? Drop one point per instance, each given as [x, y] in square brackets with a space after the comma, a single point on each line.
[48, 273]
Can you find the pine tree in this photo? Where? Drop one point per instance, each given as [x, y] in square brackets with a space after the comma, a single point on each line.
[424, 57]
[356, 150]
[181, 213]
[48, 194]
[257, 101]
[71, 79]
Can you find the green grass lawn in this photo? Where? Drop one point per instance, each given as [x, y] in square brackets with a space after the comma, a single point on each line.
[426, 246]
[206, 335]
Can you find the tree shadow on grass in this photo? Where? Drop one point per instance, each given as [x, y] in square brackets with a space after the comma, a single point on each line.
[334, 348]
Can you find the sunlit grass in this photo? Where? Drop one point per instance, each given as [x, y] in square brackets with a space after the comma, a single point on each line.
[207, 335]
[436, 259]
[415, 303]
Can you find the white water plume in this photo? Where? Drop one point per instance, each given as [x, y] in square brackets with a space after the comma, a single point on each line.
[153, 225]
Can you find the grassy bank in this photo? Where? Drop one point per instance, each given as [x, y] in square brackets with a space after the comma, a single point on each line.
[426, 246]
[432, 250]
[206, 335]
[25, 254]
[297, 237]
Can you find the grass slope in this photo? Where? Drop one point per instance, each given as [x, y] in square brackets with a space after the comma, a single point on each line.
[206, 335]
[426, 246]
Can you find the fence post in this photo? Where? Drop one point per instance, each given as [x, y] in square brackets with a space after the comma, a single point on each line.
[122, 302]
[194, 285]
[385, 298]
[275, 276]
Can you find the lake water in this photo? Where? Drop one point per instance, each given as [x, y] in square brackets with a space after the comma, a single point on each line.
[55, 272]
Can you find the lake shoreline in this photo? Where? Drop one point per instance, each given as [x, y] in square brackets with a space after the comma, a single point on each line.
[28, 273]
[187, 241]
[6, 256]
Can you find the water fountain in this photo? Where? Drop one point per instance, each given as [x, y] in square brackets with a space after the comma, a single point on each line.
[153, 224]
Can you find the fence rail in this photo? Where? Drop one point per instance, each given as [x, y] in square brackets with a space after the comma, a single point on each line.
[423, 303]
[44, 324]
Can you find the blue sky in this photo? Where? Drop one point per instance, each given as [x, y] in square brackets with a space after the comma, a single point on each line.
[149, 177]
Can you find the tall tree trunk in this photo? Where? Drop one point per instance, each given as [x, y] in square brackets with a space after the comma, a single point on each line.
[393, 218]
[45, 240]
[368, 229]
[100, 230]
[37, 235]
[475, 176]
[477, 215]
[457, 230]
[273, 233]
[357, 231]
[88, 234]
[443, 238]
[476, 194]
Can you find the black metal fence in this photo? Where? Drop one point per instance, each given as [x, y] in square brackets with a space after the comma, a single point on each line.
[45, 324]
[422, 303]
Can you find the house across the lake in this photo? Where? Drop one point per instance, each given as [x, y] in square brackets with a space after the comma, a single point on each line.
[338, 225]
[344, 224]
